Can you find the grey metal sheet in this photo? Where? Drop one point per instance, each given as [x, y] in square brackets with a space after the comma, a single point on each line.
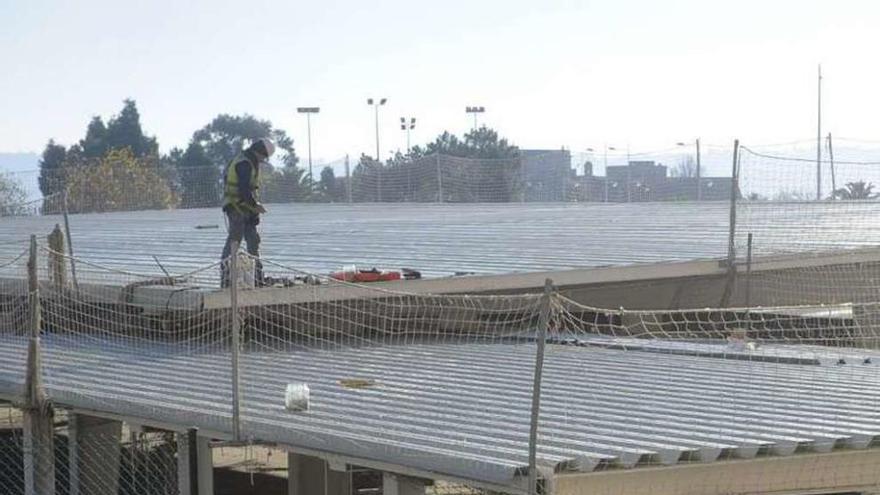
[463, 410]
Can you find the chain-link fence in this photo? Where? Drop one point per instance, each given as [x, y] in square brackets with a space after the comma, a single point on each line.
[93, 462]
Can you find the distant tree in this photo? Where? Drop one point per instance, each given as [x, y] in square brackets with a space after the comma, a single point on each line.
[859, 190]
[119, 181]
[168, 169]
[366, 180]
[51, 178]
[327, 184]
[12, 196]
[482, 142]
[793, 195]
[199, 178]
[686, 168]
[284, 185]
[95, 144]
[225, 136]
[125, 131]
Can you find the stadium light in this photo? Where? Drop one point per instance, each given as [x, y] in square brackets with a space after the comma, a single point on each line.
[474, 111]
[407, 126]
[309, 111]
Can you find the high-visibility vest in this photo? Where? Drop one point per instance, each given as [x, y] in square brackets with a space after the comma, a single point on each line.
[231, 196]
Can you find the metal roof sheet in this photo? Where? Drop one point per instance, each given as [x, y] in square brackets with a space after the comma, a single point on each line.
[442, 239]
[463, 410]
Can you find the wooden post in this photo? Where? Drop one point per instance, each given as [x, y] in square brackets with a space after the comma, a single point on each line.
[57, 266]
[543, 323]
[39, 444]
[236, 342]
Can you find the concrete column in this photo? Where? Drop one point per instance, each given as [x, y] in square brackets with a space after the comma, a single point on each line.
[39, 453]
[94, 455]
[184, 458]
[308, 475]
[395, 484]
[206, 466]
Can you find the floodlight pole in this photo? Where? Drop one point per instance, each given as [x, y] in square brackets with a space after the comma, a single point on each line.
[819, 141]
[407, 124]
[474, 111]
[309, 111]
[376, 104]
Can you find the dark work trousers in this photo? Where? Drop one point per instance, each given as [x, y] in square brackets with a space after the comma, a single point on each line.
[242, 225]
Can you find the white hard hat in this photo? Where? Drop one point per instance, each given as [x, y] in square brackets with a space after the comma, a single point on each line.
[264, 144]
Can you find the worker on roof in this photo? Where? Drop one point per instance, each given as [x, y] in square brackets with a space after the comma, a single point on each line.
[241, 206]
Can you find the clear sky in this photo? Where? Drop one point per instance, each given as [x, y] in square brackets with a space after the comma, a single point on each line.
[550, 73]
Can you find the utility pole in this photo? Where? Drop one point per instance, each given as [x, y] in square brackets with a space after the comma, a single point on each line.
[605, 160]
[699, 172]
[819, 141]
[309, 111]
[475, 111]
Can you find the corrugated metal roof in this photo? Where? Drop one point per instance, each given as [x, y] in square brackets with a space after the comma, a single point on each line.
[441, 239]
[463, 410]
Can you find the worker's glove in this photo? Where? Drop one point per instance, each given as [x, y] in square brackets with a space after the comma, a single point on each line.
[260, 209]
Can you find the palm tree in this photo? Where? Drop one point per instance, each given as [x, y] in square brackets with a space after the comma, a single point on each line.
[860, 190]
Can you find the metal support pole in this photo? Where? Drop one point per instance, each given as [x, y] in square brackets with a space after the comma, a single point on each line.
[819, 141]
[347, 179]
[730, 285]
[543, 323]
[734, 192]
[309, 133]
[236, 343]
[699, 176]
[628, 176]
[749, 282]
[378, 159]
[831, 161]
[193, 448]
[69, 241]
[605, 164]
[439, 179]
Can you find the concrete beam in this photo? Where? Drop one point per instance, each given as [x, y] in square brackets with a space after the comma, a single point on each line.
[94, 455]
[308, 475]
[688, 284]
[205, 466]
